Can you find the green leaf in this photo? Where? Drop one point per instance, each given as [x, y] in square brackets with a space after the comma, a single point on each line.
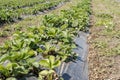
[51, 59]
[36, 64]
[40, 77]
[31, 53]
[56, 64]
[4, 57]
[65, 40]
[4, 70]
[45, 63]
[64, 26]
[73, 46]
[1, 68]
[51, 71]
[44, 72]
[9, 66]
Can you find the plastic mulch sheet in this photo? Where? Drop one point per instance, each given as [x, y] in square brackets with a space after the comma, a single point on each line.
[77, 70]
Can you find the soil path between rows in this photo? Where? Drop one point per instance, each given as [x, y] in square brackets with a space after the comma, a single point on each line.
[101, 67]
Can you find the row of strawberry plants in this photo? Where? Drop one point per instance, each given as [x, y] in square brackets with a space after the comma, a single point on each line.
[9, 15]
[75, 18]
[39, 7]
[39, 50]
[14, 4]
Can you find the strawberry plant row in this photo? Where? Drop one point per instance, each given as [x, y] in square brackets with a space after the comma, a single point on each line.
[39, 50]
[9, 15]
[38, 7]
[14, 4]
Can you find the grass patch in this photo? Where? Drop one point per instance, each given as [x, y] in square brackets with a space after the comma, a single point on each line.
[107, 23]
[112, 52]
[101, 44]
[105, 15]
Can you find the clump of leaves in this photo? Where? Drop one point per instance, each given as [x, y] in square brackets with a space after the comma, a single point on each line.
[50, 64]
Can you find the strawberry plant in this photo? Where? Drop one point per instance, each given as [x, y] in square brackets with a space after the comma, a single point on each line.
[50, 64]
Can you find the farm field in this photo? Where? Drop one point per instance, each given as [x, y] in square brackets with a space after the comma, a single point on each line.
[37, 37]
[38, 50]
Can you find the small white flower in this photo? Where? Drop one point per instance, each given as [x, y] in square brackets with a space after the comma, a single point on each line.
[106, 26]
